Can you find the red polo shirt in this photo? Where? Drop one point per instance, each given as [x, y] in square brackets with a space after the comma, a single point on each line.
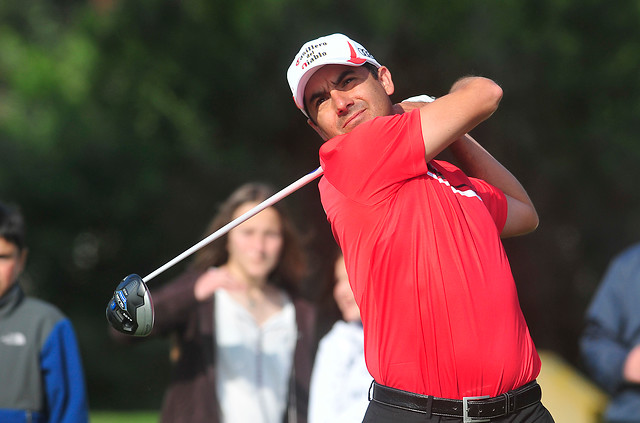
[424, 256]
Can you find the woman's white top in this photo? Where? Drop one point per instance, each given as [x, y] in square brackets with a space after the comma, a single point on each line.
[253, 361]
[340, 380]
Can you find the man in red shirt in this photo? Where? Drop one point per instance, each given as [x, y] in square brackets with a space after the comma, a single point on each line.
[421, 239]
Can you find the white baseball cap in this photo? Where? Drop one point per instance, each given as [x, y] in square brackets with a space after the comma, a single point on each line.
[335, 49]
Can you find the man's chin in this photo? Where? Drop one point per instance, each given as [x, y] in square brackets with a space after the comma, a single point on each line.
[355, 120]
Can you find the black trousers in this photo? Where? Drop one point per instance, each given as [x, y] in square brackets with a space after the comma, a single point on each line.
[382, 413]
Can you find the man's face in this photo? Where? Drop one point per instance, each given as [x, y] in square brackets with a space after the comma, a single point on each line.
[11, 264]
[339, 98]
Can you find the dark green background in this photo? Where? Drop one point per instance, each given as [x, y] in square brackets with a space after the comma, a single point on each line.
[123, 124]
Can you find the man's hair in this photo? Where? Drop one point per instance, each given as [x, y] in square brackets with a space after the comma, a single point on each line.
[373, 70]
[12, 226]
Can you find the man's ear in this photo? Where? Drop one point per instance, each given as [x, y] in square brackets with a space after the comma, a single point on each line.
[317, 129]
[384, 76]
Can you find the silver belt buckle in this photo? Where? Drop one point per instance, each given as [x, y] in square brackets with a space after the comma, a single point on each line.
[465, 410]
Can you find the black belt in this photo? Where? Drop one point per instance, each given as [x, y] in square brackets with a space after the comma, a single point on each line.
[470, 409]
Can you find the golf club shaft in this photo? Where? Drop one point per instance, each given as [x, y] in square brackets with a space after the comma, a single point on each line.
[226, 228]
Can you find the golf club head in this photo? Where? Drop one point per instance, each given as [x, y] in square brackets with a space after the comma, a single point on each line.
[130, 310]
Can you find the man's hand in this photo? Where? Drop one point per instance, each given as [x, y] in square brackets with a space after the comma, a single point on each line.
[631, 369]
[411, 103]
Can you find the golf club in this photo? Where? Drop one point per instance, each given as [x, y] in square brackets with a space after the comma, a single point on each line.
[130, 310]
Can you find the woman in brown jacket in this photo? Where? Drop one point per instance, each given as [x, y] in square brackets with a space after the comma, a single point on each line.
[242, 337]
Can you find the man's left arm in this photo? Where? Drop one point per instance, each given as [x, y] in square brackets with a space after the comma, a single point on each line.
[477, 162]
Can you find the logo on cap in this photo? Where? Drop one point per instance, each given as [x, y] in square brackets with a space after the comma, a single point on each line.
[354, 57]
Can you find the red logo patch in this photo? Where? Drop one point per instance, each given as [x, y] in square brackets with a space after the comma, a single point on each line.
[354, 58]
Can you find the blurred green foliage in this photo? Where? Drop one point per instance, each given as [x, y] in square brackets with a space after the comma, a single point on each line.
[124, 123]
[117, 417]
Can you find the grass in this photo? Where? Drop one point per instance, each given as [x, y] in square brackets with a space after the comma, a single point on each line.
[124, 417]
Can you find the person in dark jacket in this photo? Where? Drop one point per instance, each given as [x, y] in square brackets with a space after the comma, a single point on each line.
[610, 342]
[40, 365]
[242, 337]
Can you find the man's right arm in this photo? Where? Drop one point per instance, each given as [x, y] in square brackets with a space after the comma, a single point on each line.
[470, 101]
[477, 162]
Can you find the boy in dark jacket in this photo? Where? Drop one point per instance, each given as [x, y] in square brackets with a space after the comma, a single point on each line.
[40, 365]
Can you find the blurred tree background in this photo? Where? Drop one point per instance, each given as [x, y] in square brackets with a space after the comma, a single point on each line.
[123, 124]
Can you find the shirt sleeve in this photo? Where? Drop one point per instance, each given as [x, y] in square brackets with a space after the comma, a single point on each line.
[63, 376]
[494, 200]
[174, 302]
[367, 164]
[492, 197]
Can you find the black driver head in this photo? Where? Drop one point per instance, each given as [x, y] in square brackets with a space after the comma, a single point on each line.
[130, 311]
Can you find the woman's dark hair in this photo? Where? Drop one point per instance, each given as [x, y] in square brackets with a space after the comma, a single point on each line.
[292, 264]
[12, 226]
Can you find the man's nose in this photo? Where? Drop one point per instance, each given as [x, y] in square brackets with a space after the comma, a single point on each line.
[342, 101]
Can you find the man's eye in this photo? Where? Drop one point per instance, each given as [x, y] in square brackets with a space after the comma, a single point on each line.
[319, 101]
[347, 81]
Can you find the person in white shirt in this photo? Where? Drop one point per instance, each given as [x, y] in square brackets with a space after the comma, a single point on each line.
[242, 334]
[340, 379]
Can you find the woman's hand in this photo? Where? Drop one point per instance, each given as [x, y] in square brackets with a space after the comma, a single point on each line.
[212, 280]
